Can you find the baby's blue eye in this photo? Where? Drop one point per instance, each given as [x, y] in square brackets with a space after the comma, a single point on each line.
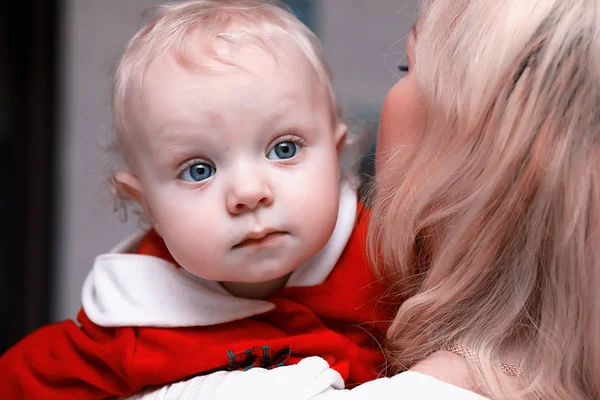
[198, 172]
[283, 151]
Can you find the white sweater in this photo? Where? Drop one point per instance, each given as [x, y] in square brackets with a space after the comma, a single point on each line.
[310, 379]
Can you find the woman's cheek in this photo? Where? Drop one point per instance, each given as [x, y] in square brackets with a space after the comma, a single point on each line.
[399, 131]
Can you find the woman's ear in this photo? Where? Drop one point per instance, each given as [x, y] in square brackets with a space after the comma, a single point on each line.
[341, 132]
[130, 185]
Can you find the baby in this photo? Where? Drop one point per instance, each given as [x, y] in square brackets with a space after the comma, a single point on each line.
[225, 113]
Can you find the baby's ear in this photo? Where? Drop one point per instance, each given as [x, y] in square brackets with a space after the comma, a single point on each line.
[130, 185]
[341, 132]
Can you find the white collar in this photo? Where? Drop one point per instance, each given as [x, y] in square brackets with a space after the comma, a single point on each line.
[126, 289]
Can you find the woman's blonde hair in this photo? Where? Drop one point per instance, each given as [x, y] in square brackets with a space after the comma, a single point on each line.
[491, 234]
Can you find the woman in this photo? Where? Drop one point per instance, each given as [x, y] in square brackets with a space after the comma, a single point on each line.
[486, 219]
[488, 211]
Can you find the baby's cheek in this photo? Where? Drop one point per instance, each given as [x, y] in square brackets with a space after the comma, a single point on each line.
[193, 245]
[189, 229]
[318, 208]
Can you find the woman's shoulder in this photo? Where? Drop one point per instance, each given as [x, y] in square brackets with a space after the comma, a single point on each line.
[407, 385]
[312, 379]
[428, 387]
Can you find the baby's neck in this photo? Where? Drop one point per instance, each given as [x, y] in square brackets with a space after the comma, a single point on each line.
[257, 290]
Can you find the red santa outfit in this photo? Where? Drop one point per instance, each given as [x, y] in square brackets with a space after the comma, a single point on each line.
[145, 323]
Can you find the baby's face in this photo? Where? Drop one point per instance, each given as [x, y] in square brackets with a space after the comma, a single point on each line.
[238, 170]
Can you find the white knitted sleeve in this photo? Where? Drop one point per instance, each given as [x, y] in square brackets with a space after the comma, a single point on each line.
[305, 380]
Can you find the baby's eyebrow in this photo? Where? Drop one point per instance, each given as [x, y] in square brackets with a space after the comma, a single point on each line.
[173, 145]
[174, 155]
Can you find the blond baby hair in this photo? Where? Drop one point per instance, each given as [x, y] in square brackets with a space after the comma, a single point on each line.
[189, 28]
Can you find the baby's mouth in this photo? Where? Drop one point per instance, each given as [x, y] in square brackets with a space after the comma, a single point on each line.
[260, 239]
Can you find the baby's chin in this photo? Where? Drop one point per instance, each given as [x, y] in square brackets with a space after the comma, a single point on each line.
[256, 290]
[249, 273]
[262, 274]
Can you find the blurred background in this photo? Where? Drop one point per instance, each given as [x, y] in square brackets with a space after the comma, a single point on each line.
[56, 59]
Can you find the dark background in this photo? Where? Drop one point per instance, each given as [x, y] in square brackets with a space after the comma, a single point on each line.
[28, 98]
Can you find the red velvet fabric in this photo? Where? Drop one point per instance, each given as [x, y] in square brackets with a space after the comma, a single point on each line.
[339, 320]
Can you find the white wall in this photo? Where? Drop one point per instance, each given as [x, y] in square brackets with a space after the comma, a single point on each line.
[356, 34]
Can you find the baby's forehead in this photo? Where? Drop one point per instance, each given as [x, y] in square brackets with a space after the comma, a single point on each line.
[253, 89]
[249, 72]
[226, 60]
